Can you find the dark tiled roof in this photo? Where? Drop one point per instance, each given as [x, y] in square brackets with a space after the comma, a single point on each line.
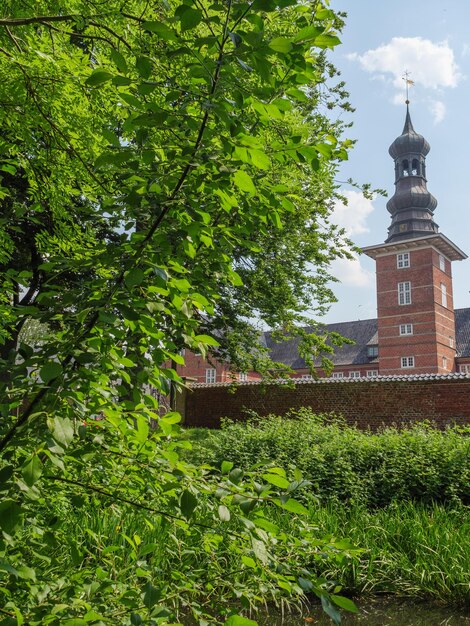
[362, 332]
[462, 332]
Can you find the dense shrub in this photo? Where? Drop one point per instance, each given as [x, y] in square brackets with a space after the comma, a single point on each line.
[348, 465]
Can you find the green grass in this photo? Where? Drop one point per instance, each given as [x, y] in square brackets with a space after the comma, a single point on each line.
[409, 550]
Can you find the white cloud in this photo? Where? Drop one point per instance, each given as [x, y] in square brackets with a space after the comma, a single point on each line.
[438, 110]
[351, 273]
[431, 66]
[353, 215]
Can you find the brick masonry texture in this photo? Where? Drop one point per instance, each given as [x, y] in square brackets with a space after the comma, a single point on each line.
[443, 400]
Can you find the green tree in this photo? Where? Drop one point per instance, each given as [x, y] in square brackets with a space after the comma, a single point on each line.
[145, 194]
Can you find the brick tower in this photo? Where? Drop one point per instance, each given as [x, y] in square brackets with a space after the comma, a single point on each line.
[415, 309]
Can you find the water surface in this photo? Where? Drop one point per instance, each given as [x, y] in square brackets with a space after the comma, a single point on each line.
[379, 613]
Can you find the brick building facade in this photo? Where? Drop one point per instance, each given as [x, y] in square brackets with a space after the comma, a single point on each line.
[417, 330]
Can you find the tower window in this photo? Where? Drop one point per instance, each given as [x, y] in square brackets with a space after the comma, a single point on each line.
[442, 263]
[444, 362]
[407, 361]
[415, 167]
[404, 293]
[406, 329]
[403, 260]
[405, 167]
[451, 341]
[443, 295]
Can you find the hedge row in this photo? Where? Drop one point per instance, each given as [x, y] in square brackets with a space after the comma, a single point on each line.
[348, 465]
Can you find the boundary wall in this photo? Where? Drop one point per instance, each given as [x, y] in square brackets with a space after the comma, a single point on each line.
[365, 402]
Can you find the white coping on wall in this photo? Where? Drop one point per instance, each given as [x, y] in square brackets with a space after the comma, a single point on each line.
[337, 381]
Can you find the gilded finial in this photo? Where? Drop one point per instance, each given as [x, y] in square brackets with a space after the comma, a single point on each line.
[408, 83]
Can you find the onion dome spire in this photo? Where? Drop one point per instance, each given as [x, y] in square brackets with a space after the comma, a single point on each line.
[412, 205]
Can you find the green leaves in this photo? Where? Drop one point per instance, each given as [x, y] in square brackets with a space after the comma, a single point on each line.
[244, 182]
[178, 150]
[188, 503]
[144, 66]
[134, 277]
[224, 513]
[239, 620]
[344, 603]
[10, 516]
[50, 371]
[189, 17]
[32, 470]
[119, 60]
[277, 481]
[98, 77]
[281, 44]
[62, 429]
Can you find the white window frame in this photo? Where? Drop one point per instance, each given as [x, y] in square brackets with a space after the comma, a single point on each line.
[465, 368]
[442, 263]
[211, 375]
[451, 341]
[407, 362]
[372, 352]
[242, 377]
[403, 260]
[444, 362]
[443, 295]
[306, 377]
[406, 329]
[337, 375]
[355, 374]
[404, 293]
[372, 373]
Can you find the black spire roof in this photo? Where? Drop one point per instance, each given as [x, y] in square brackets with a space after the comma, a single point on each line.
[412, 205]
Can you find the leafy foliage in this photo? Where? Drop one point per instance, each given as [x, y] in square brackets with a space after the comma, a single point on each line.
[347, 465]
[158, 163]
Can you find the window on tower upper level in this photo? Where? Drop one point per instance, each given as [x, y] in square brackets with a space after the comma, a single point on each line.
[415, 167]
[443, 295]
[404, 293]
[403, 260]
[442, 263]
[406, 329]
[405, 167]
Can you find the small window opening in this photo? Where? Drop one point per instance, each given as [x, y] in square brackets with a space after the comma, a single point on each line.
[415, 167]
[406, 167]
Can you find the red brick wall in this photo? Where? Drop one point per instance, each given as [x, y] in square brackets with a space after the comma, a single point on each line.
[433, 324]
[371, 403]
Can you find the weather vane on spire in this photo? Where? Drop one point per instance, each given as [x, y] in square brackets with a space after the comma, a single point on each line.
[408, 82]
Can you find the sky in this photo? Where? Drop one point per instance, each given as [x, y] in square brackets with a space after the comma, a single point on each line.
[430, 39]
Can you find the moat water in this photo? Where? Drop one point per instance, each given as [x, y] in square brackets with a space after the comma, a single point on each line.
[378, 613]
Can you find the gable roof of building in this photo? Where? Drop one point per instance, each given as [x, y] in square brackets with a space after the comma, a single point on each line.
[364, 334]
